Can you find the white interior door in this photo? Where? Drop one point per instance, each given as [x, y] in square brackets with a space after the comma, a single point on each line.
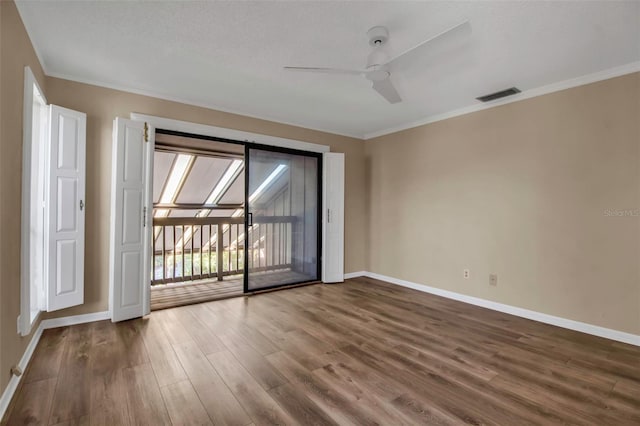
[64, 223]
[129, 264]
[333, 217]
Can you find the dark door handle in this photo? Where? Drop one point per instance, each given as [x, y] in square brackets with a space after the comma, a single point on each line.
[249, 219]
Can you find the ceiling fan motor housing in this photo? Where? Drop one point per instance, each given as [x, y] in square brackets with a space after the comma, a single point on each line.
[376, 59]
[378, 36]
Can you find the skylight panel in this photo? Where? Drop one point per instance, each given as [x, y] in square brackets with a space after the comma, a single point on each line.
[257, 193]
[161, 213]
[224, 182]
[177, 175]
[265, 184]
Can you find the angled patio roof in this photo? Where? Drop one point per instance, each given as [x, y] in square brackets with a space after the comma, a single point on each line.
[200, 183]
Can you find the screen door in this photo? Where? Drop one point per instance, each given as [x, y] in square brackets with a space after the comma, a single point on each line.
[282, 226]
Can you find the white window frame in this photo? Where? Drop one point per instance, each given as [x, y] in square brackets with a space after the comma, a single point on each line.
[34, 153]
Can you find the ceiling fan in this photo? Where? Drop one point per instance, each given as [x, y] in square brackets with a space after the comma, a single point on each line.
[378, 69]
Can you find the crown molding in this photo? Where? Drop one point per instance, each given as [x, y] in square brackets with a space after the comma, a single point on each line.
[211, 106]
[165, 97]
[29, 30]
[526, 94]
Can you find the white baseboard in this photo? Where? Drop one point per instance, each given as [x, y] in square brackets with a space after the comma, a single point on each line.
[9, 391]
[595, 330]
[15, 380]
[76, 319]
[354, 274]
[513, 310]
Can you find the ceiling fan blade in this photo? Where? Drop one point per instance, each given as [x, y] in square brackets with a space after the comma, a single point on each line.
[386, 89]
[325, 70]
[459, 26]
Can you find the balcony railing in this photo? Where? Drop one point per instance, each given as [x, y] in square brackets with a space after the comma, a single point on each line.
[189, 249]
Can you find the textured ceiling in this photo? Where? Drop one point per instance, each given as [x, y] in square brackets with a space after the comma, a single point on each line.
[229, 55]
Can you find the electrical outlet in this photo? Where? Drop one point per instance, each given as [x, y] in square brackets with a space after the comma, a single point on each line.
[465, 273]
[493, 279]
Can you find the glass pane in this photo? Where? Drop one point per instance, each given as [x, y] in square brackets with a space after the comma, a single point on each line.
[283, 201]
[203, 177]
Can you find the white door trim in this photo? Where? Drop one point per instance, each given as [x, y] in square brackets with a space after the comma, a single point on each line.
[147, 253]
[155, 122]
[25, 321]
[222, 132]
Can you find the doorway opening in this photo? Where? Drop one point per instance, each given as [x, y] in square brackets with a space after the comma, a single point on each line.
[229, 219]
[198, 215]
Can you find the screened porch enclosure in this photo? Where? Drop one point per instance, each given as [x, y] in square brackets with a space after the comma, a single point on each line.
[199, 216]
[188, 249]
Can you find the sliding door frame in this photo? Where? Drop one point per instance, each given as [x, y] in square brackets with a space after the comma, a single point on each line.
[269, 148]
[291, 151]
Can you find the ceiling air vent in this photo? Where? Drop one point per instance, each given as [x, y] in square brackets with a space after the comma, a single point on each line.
[498, 95]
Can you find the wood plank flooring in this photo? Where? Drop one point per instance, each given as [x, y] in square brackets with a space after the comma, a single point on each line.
[363, 352]
[190, 292]
[170, 296]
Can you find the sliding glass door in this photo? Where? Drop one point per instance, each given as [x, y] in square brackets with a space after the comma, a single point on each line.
[282, 226]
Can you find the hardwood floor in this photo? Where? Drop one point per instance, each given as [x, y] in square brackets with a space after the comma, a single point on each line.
[363, 352]
[170, 296]
[173, 295]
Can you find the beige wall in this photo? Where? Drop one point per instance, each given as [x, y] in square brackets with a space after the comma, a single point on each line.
[16, 52]
[520, 190]
[103, 105]
[3, 381]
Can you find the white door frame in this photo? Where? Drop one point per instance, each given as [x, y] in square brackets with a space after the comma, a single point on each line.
[221, 132]
[155, 122]
[31, 148]
[147, 254]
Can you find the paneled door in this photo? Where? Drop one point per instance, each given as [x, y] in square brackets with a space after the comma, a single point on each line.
[131, 220]
[333, 212]
[64, 223]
